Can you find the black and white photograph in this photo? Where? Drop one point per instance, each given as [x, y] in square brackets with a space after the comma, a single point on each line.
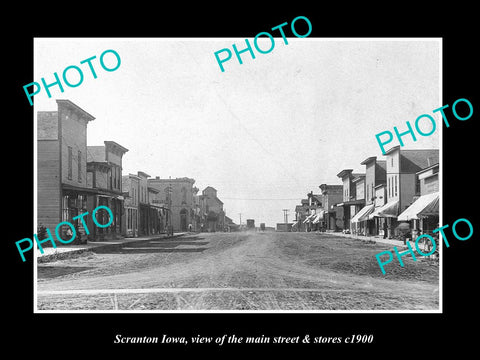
[258, 188]
[217, 180]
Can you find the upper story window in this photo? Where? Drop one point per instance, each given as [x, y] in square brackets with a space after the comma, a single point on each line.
[79, 165]
[70, 159]
[184, 195]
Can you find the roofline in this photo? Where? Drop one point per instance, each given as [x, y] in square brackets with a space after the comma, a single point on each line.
[344, 172]
[108, 142]
[142, 173]
[428, 168]
[368, 160]
[395, 148]
[358, 178]
[76, 107]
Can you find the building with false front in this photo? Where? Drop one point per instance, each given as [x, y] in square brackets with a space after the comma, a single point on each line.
[301, 213]
[332, 214]
[423, 213]
[402, 183]
[350, 203]
[130, 191]
[375, 174]
[62, 188]
[178, 196]
[104, 176]
[314, 220]
[211, 207]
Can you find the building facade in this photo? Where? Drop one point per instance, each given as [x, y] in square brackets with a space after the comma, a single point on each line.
[178, 196]
[211, 208]
[104, 176]
[130, 191]
[333, 215]
[402, 184]
[350, 203]
[62, 167]
[423, 213]
[375, 174]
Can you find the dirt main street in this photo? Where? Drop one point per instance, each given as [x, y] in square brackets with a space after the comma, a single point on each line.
[238, 271]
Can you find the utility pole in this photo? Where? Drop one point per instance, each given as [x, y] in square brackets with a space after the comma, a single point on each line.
[285, 215]
[240, 218]
[170, 226]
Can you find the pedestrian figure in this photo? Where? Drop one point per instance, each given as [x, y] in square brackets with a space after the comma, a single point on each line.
[190, 227]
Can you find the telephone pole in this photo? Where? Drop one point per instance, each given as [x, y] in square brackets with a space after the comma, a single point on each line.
[285, 215]
[240, 218]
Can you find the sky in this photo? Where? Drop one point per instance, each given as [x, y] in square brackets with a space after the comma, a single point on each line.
[263, 133]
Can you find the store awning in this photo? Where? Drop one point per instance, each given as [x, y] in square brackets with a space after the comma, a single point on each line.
[309, 218]
[425, 205]
[362, 215]
[390, 209]
[318, 217]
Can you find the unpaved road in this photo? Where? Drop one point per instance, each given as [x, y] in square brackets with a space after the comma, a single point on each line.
[238, 271]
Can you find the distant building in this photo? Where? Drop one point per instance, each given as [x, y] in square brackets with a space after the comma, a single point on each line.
[350, 203]
[375, 174]
[314, 220]
[333, 215]
[130, 191]
[178, 196]
[230, 225]
[301, 213]
[356, 226]
[213, 215]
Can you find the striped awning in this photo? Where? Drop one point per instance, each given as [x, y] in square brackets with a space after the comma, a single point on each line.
[390, 209]
[363, 213]
[425, 205]
[309, 218]
[318, 217]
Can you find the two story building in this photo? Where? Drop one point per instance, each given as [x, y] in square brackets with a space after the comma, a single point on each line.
[212, 209]
[178, 196]
[130, 191]
[423, 213]
[332, 214]
[350, 203]
[375, 174]
[104, 176]
[62, 167]
[402, 183]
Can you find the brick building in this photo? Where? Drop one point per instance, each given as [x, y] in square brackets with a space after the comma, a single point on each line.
[211, 210]
[178, 196]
